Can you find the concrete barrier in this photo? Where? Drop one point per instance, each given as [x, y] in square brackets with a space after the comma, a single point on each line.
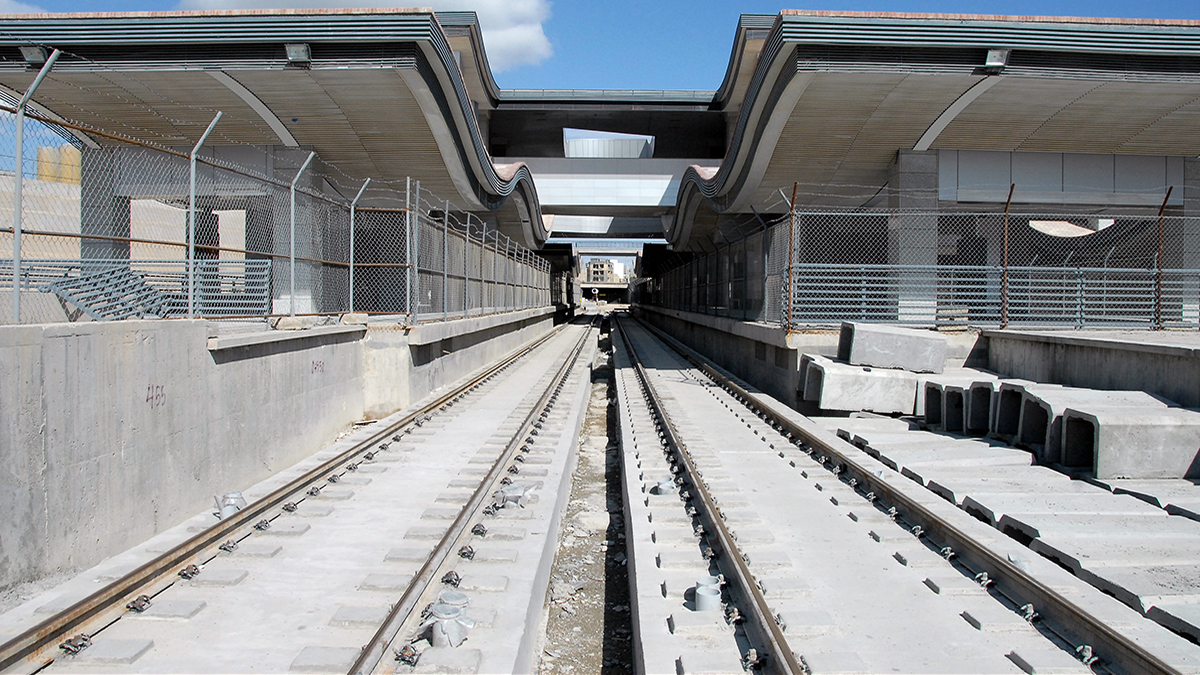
[1123, 442]
[1040, 427]
[843, 387]
[881, 346]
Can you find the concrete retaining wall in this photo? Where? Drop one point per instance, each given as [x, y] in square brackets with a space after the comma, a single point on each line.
[111, 432]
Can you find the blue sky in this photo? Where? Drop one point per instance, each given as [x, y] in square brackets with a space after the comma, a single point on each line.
[633, 44]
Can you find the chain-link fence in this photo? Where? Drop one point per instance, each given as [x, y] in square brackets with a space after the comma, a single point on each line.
[104, 226]
[928, 268]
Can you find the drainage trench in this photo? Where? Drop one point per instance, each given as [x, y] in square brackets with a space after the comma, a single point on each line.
[587, 627]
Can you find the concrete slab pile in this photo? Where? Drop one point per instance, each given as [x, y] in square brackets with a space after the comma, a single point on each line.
[841, 386]
[943, 398]
[881, 346]
[1132, 442]
[1039, 428]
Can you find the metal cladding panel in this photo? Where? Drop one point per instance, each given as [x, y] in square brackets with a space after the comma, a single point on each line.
[200, 27]
[843, 133]
[172, 108]
[1079, 116]
[1083, 35]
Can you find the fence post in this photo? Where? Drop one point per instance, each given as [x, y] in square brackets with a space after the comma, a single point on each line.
[482, 276]
[19, 156]
[467, 269]
[791, 274]
[292, 238]
[446, 262]
[1004, 272]
[192, 217]
[495, 279]
[353, 206]
[1158, 276]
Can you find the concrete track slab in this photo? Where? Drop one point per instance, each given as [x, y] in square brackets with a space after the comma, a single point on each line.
[1093, 550]
[1048, 661]
[1180, 617]
[171, 610]
[993, 506]
[111, 653]
[1145, 587]
[1159, 491]
[1114, 526]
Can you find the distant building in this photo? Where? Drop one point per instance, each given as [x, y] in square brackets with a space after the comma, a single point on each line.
[600, 271]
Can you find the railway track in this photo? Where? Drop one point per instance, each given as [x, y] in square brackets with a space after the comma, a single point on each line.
[820, 546]
[341, 566]
[756, 540]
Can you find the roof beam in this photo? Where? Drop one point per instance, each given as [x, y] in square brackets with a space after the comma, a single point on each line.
[960, 104]
[259, 107]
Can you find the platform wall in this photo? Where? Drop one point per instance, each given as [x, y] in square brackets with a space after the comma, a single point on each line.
[111, 432]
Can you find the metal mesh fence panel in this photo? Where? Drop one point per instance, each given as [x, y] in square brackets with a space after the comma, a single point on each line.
[926, 268]
[105, 234]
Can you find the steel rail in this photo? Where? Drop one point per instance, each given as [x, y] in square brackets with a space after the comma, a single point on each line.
[50, 632]
[410, 600]
[1070, 621]
[780, 659]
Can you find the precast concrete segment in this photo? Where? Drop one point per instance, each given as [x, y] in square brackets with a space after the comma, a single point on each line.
[942, 399]
[1179, 497]
[1131, 442]
[1073, 606]
[1041, 421]
[840, 386]
[817, 555]
[670, 634]
[868, 344]
[335, 559]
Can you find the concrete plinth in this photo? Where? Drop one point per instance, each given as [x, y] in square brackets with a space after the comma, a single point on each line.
[920, 351]
[839, 386]
[1132, 443]
[1039, 427]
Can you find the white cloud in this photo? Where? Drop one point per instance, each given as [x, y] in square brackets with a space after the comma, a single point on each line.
[512, 29]
[14, 7]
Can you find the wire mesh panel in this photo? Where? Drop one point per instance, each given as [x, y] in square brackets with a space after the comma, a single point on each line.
[925, 268]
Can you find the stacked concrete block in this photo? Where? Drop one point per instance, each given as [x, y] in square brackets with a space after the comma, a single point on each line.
[919, 351]
[1007, 404]
[1039, 428]
[843, 387]
[1132, 442]
[942, 399]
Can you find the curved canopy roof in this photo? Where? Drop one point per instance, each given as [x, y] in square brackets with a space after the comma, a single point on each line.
[383, 96]
[834, 95]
